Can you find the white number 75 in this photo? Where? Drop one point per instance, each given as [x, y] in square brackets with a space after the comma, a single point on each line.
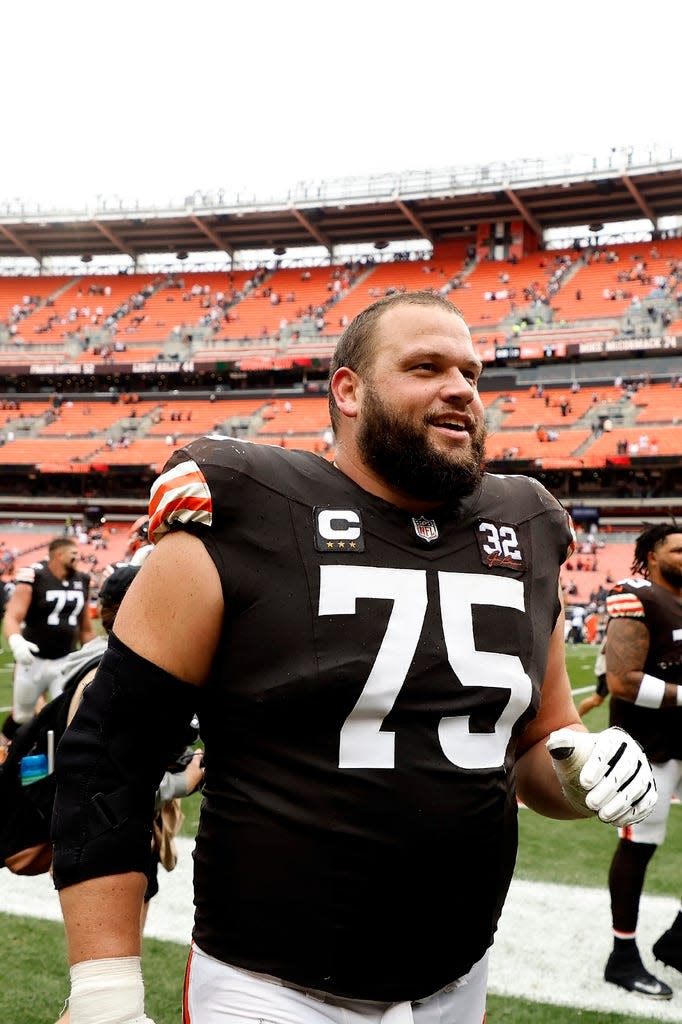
[362, 744]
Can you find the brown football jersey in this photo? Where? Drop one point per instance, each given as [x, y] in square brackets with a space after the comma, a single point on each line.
[358, 828]
[659, 730]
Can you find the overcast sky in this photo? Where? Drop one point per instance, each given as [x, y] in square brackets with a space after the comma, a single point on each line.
[155, 99]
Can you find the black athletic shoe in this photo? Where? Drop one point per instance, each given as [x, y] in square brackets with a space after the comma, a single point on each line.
[628, 971]
[668, 949]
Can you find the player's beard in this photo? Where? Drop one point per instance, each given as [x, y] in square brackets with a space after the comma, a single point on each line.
[671, 575]
[401, 453]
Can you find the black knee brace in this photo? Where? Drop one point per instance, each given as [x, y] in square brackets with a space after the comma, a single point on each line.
[131, 723]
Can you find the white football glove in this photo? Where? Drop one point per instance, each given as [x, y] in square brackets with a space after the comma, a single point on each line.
[605, 773]
[23, 651]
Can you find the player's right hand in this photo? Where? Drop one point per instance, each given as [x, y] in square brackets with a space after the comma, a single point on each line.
[23, 651]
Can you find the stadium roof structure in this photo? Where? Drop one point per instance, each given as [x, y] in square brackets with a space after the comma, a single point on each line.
[436, 206]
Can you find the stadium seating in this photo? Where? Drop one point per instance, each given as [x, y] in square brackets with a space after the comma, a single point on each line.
[658, 403]
[217, 317]
[380, 279]
[28, 543]
[502, 301]
[611, 562]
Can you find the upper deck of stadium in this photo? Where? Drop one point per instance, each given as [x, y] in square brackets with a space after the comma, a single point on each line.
[622, 184]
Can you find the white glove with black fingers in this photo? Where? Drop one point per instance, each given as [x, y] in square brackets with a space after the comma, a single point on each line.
[605, 773]
[23, 651]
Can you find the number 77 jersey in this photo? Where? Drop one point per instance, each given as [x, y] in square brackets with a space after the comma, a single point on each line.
[358, 830]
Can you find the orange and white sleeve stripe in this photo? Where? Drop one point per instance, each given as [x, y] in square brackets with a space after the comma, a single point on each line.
[624, 605]
[180, 495]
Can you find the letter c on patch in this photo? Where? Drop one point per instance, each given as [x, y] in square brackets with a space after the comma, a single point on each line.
[344, 518]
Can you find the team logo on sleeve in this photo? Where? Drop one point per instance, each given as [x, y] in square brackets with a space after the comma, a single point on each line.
[338, 529]
[499, 545]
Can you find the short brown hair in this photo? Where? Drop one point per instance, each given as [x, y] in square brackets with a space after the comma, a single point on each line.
[60, 542]
[354, 348]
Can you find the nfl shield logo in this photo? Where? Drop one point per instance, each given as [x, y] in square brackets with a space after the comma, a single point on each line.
[425, 529]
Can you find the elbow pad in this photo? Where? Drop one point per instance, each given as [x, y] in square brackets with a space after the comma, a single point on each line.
[129, 726]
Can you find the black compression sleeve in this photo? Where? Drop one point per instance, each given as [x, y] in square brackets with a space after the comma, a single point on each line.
[130, 724]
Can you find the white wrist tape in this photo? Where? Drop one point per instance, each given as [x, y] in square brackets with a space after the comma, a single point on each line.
[570, 751]
[651, 692]
[107, 991]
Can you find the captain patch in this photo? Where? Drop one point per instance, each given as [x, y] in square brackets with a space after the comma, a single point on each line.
[338, 529]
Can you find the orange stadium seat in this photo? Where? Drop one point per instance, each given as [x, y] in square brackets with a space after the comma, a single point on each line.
[526, 410]
[30, 544]
[600, 275]
[296, 416]
[612, 561]
[658, 403]
[436, 273]
[526, 445]
[83, 417]
[201, 417]
[298, 294]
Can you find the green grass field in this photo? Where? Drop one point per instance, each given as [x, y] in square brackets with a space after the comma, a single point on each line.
[34, 966]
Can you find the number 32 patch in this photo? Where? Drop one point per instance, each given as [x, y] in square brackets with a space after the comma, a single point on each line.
[499, 545]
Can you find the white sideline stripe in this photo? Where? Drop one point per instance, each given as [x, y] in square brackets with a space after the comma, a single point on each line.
[551, 945]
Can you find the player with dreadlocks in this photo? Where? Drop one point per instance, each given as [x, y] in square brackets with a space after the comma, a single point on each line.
[644, 675]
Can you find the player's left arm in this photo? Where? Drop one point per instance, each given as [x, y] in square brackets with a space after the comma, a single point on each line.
[626, 655]
[564, 771]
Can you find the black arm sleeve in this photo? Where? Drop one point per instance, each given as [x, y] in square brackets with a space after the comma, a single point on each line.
[131, 722]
